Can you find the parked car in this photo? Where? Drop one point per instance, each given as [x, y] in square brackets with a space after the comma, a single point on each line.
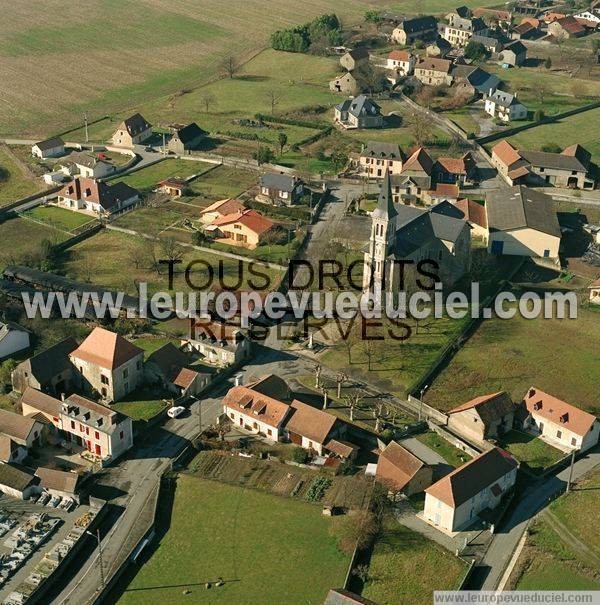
[175, 411]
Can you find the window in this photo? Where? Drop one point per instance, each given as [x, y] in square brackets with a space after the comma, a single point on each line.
[269, 432]
[558, 434]
[96, 434]
[231, 415]
[87, 430]
[72, 425]
[121, 435]
[573, 441]
[139, 365]
[104, 379]
[254, 425]
[81, 428]
[125, 373]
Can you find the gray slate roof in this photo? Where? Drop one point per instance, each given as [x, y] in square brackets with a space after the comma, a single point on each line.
[504, 99]
[553, 160]
[520, 207]
[388, 151]
[15, 477]
[52, 361]
[189, 133]
[276, 180]
[360, 106]
[50, 143]
[10, 326]
[418, 24]
[486, 40]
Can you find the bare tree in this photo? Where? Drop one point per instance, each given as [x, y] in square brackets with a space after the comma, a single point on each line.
[207, 99]
[273, 96]
[340, 378]
[369, 350]
[542, 90]
[230, 65]
[559, 39]
[420, 128]
[171, 249]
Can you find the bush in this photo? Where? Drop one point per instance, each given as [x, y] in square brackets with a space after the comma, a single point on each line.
[264, 155]
[324, 30]
[299, 455]
[551, 148]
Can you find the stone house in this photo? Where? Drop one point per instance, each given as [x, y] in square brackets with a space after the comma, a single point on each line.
[484, 417]
[353, 58]
[280, 189]
[345, 83]
[108, 364]
[17, 482]
[418, 28]
[132, 131]
[185, 139]
[218, 343]
[360, 112]
[440, 48]
[50, 148]
[561, 424]
[456, 171]
[401, 471]
[24, 431]
[434, 72]
[453, 503]
[459, 30]
[567, 27]
[505, 106]
[399, 63]
[491, 45]
[378, 158]
[514, 54]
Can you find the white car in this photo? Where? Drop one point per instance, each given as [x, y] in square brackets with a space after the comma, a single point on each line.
[175, 411]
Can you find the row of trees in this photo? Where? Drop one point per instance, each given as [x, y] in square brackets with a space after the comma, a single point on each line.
[320, 32]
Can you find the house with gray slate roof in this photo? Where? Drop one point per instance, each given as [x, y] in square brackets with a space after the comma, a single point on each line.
[50, 148]
[400, 232]
[505, 106]
[280, 189]
[522, 222]
[376, 158]
[360, 112]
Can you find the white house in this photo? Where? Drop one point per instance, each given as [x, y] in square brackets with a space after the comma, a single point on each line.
[50, 148]
[505, 106]
[90, 196]
[560, 423]
[453, 503]
[91, 166]
[400, 63]
[13, 338]
[588, 16]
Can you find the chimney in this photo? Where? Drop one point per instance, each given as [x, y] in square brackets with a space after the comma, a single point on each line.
[491, 92]
[531, 393]
[238, 380]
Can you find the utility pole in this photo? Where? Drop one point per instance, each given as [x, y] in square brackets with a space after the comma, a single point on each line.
[199, 417]
[571, 471]
[85, 121]
[164, 145]
[97, 536]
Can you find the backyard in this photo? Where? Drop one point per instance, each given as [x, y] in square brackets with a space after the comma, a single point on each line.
[452, 455]
[518, 353]
[15, 181]
[250, 539]
[142, 404]
[405, 567]
[146, 179]
[59, 218]
[530, 450]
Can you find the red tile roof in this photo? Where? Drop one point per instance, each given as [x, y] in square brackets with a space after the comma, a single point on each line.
[228, 206]
[256, 405]
[434, 64]
[399, 55]
[97, 192]
[420, 160]
[555, 410]
[312, 423]
[106, 349]
[453, 165]
[397, 466]
[249, 218]
[446, 190]
[506, 153]
[472, 211]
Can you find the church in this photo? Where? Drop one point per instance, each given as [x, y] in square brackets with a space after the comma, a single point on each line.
[400, 232]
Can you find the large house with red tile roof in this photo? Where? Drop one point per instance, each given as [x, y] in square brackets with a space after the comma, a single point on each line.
[455, 501]
[246, 228]
[401, 471]
[108, 364]
[219, 209]
[567, 27]
[560, 423]
[484, 417]
[90, 196]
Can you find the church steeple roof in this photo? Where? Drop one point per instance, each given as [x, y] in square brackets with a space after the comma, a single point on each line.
[385, 203]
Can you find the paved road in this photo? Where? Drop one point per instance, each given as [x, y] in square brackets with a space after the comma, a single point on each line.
[487, 575]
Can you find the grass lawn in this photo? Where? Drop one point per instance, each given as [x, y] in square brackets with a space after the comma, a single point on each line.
[140, 405]
[452, 455]
[147, 178]
[59, 217]
[14, 184]
[116, 269]
[220, 183]
[264, 535]
[406, 567]
[537, 454]
[583, 128]
[518, 353]
[20, 237]
[150, 220]
[436, 7]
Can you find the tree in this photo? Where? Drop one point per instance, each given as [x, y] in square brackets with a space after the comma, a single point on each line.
[230, 66]
[548, 63]
[171, 249]
[559, 39]
[542, 90]
[420, 128]
[475, 51]
[299, 455]
[6, 369]
[282, 140]
[372, 16]
[263, 155]
[207, 99]
[539, 115]
[579, 89]
[273, 96]
[339, 159]
[595, 45]
[369, 78]
[199, 238]
[551, 148]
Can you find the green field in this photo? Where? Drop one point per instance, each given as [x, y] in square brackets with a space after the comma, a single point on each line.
[252, 540]
[583, 128]
[436, 7]
[139, 52]
[118, 269]
[537, 454]
[220, 183]
[518, 353]
[60, 218]
[406, 567]
[561, 552]
[147, 178]
[14, 185]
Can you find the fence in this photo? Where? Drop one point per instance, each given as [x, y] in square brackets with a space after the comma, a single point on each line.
[457, 441]
[39, 197]
[425, 410]
[79, 237]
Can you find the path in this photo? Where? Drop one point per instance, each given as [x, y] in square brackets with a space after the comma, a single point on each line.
[572, 541]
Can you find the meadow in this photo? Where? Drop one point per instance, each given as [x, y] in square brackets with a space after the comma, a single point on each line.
[146, 179]
[14, 183]
[130, 53]
[252, 540]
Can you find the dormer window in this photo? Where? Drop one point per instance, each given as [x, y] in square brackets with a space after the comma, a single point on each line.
[537, 405]
[88, 192]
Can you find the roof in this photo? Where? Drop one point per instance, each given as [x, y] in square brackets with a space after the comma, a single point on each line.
[516, 46]
[472, 211]
[523, 28]
[388, 151]
[98, 192]
[471, 478]
[559, 412]
[445, 190]
[106, 349]
[397, 466]
[228, 206]
[360, 106]
[595, 284]
[52, 361]
[16, 426]
[189, 133]
[343, 449]
[173, 181]
[254, 404]
[571, 25]
[278, 180]
[435, 64]
[453, 165]
[504, 99]
[251, 219]
[400, 55]
[312, 423]
[419, 161]
[417, 24]
[183, 377]
[92, 413]
[15, 478]
[41, 402]
[490, 407]
[10, 326]
[506, 153]
[7, 447]
[50, 143]
[559, 161]
[272, 386]
[520, 207]
[135, 124]
[61, 481]
[167, 356]
[485, 40]
[385, 202]
[341, 596]
[441, 43]
[87, 160]
[358, 53]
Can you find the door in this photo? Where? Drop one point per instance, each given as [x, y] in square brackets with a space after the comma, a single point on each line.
[98, 450]
[497, 247]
